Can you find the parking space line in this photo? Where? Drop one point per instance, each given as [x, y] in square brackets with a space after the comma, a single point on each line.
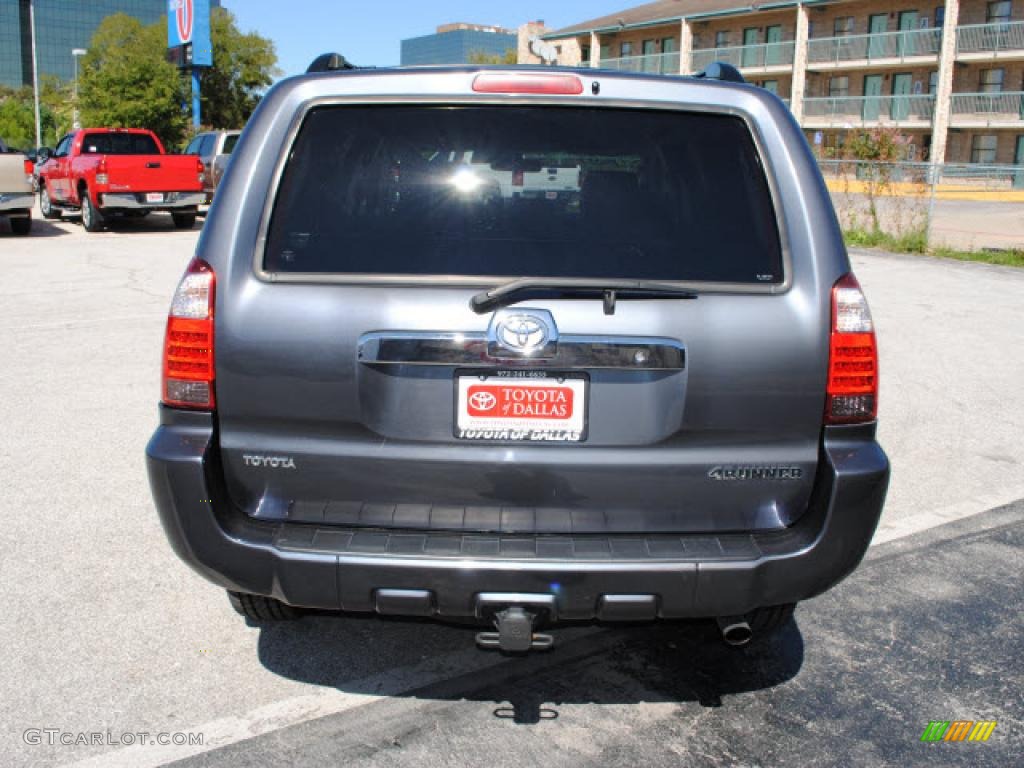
[908, 525]
[299, 709]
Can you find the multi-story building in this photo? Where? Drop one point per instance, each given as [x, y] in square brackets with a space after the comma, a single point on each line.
[61, 26]
[949, 74]
[456, 43]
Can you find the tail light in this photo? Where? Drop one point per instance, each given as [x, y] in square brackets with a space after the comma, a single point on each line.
[188, 344]
[200, 170]
[29, 170]
[528, 82]
[518, 178]
[852, 393]
[101, 172]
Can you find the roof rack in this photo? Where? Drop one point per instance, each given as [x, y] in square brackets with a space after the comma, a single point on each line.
[720, 70]
[330, 62]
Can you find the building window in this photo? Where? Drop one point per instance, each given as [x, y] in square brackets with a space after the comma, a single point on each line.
[605, 51]
[668, 45]
[991, 80]
[940, 15]
[585, 53]
[983, 149]
[648, 48]
[625, 49]
[933, 82]
[772, 86]
[842, 26]
[722, 39]
[838, 87]
[998, 12]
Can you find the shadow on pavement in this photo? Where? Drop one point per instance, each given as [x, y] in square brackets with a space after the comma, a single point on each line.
[664, 662]
[40, 228]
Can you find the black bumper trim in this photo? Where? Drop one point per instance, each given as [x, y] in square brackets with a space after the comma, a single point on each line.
[687, 576]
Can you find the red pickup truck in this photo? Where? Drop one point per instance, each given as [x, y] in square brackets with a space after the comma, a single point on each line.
[118, 172]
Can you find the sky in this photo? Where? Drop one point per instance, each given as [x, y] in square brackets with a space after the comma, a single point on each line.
[368, 32]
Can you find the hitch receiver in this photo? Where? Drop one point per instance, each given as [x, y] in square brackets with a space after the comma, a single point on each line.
[515, 633]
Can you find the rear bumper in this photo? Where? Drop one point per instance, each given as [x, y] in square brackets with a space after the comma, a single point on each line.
[137, 201]
[16, 203]
[444, 574]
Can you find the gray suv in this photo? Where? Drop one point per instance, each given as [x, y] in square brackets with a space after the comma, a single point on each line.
[394, 383]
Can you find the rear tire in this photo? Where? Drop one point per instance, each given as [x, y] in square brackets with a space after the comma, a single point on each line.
[21, 226]
[184, 220]
[766, 621]
[92, 219]
[261, 608]
[45, 205]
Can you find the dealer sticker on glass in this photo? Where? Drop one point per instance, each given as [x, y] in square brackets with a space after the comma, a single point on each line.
[521, 405]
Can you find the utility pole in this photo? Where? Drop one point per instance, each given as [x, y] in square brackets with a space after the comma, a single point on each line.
[75, 53]
[35, 70]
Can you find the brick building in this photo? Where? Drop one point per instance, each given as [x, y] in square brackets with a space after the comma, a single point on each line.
[950, 75]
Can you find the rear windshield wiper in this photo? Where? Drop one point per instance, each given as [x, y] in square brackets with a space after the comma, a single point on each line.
[609, 291]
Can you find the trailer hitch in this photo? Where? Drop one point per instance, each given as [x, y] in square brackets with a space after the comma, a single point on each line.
[515, 633]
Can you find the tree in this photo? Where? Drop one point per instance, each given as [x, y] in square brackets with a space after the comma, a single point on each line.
[244, 66]
[874, 151]
[17, 113]
[482, 57]
[127, 82]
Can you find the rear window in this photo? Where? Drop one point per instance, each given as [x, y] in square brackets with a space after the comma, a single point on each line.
[229, 144]
[525, 191]
[119, 144]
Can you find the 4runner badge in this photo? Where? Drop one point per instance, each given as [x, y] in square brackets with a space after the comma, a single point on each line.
[753, 472]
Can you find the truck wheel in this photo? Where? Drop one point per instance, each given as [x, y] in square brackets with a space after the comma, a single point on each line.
[184, 220]
[260, 608]
[21, 226]
[45, 206]
[92, 219]
[764, 621]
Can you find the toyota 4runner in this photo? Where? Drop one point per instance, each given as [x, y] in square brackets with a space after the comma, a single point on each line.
[391, 386]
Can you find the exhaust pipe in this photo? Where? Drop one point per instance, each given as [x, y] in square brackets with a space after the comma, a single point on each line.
[735, 630]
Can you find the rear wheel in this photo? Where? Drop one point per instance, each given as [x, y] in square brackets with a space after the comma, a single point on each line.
[92, 219]
[184, 220]
[770, 619]
[261, 608]
[45, 206]
[21, 226]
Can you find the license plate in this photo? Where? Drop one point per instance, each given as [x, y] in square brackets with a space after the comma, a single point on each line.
[154, 197]
[521, 406]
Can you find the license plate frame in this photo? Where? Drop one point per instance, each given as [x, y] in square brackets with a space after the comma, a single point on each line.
[469, 428]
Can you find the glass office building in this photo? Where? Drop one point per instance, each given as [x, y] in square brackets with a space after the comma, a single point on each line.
[453, 44]
[61, 26]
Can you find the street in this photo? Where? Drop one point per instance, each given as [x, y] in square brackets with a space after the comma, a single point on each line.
[107, 631]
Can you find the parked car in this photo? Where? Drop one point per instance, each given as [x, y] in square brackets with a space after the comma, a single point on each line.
[385, 392]
[214, 149]
[111, 172]
[16, 189]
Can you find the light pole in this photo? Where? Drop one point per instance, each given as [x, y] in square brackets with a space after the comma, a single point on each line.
[35, 71]
[75, 53]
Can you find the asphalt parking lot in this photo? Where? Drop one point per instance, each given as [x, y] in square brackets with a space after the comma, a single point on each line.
[106, 631]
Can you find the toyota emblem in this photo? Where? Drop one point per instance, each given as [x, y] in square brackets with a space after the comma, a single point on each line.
[524, 332]
[482, 401]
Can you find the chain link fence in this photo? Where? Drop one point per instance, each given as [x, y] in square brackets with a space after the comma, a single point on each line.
[962, 206]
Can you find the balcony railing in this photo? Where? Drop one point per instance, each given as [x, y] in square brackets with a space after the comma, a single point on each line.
[989, 107]
[884, 45]
[655, 63]
[871, 108]
[990, 38]
[742, 56]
